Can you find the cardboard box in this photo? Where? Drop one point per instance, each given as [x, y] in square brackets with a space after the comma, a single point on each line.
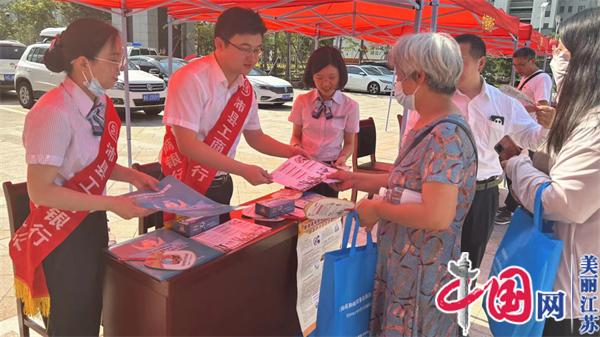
[274, 207]
[193, 226]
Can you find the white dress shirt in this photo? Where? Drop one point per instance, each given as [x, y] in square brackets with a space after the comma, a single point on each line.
[322, 138]
[510, 119]
[572, 200]
[57, 133]
[198, 93]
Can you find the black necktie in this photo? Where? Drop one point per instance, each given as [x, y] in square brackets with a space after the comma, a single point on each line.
[96, 118]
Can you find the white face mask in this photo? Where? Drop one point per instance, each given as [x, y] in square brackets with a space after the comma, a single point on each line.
[559, 64]
[407, 101]
[93, 85]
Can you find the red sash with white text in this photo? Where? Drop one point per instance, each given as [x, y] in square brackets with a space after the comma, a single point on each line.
[220, 138]
[45, 228]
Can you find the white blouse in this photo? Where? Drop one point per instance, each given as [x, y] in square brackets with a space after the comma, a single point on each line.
[322, 138]
[57, 133]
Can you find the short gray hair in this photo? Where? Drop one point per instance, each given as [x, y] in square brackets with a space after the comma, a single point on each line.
[435, 54]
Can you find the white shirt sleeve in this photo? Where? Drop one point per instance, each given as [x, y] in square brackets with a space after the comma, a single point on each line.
[574, 192]
[297, 110]
[252, 121]
[46, 137]
[525, 131]
[184, 99]
[543, 88]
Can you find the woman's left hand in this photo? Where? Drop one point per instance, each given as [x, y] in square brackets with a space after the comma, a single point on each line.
[142, 181]
[367, 213]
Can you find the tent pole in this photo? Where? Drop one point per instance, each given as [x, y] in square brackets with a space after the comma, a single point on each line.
[126, 89]
[317, 38]
[418, 18]
[512, 72]
[288, 65]
[170, 43]
[435, 4]
[392, 94]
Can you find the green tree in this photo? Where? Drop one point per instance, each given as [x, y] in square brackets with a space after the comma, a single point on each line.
[70, 12]
[28, 17]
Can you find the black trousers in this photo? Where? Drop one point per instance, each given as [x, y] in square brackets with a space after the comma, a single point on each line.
[553, 328]
[74, 275]
[325, 189]
[221, 191]
[479, 224]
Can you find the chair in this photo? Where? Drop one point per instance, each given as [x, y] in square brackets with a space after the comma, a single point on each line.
[154, 220]
[364, 146]
[17, 203]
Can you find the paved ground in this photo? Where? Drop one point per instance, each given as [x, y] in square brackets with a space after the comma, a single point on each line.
[147, 133]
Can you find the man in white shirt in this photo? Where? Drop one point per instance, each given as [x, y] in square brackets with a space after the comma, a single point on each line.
[491, 115]
[210, 104]
[537, 85]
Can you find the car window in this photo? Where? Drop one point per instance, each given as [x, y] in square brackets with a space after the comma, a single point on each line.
[31, 53]
[371, 71]
[385, 71]
[144, 51]
[152, 52]
[134, 52]
[40, 54]
[11, 52]
[178, 64]
[353, 70]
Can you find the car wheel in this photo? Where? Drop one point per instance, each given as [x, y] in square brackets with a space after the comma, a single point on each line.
[153, 111]
[25, 94]
[373, 88]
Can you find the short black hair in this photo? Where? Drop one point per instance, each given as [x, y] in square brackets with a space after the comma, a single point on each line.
[321, 58]
[525, 52]
[476, 44]
[238, 20]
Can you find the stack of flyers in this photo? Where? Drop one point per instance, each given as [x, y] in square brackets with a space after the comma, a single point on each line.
[231, 235]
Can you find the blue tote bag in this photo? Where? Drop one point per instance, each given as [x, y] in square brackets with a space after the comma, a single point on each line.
[345, 298]
[528, 243]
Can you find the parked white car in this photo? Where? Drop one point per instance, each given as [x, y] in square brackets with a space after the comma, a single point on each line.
[10, 53]
[270, 89]
[32, 79]
[365, 78]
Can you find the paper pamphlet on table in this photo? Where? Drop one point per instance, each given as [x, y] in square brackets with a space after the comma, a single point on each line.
[231, 234]
[133, 251]
[301, 174]
[315, 238]
[176, 197]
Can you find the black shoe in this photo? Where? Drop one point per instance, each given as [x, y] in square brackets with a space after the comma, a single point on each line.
[503, 216]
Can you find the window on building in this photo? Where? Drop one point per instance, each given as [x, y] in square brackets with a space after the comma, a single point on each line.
[562, 9]
[545, 25]
[580, 8]
[570, 9]
[547, 14]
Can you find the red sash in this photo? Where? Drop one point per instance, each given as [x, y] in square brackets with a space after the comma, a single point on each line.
[221, 138]
[45, 228]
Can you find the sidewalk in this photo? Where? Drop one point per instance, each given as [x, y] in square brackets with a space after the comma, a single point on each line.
[147, 133]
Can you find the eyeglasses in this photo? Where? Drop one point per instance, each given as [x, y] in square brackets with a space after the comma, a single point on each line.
[120, 63]
[247, 50]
